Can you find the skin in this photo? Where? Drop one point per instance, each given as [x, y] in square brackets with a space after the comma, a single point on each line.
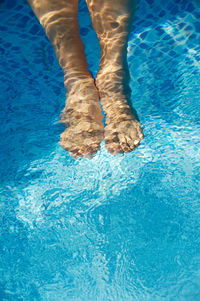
[82, 113]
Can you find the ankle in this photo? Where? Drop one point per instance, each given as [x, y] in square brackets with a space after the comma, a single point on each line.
[81, 89]
[76, 80]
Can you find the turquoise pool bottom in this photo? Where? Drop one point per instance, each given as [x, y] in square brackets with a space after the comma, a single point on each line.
[114, 227]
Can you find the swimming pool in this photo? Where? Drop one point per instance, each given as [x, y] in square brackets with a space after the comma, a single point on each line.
[123, 227]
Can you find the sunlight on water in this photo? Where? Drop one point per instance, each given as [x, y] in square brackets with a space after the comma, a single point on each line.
[122, 227]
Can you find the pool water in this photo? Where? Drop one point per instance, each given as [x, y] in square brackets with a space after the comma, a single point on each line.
[124, 227]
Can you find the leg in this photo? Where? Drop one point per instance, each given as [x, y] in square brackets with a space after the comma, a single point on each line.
[111, 21]
[82, 113]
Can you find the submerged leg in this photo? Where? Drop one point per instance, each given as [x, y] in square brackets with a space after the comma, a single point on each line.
[111, 20]
[82, 113]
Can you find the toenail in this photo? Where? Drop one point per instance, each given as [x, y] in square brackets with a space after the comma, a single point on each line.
[136, 142]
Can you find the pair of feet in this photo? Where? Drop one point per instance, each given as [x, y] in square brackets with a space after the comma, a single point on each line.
[82, 117]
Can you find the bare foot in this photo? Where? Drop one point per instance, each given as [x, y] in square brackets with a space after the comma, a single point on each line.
[122, 136]
[82, 117]
[122, 132]
[83, 139]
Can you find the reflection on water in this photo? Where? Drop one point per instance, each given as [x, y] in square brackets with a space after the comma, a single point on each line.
[114, 227]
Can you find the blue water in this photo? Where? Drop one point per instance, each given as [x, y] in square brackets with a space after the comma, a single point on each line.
[123, 227]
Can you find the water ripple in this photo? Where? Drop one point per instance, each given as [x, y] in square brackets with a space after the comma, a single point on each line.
[120, 227]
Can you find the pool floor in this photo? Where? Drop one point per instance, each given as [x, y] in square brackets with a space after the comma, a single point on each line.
[124, 227]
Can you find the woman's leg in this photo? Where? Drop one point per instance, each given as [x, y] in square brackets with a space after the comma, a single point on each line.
[82, 113]
[111, 20]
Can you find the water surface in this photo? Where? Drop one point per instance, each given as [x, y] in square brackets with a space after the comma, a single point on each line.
[123, 227]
